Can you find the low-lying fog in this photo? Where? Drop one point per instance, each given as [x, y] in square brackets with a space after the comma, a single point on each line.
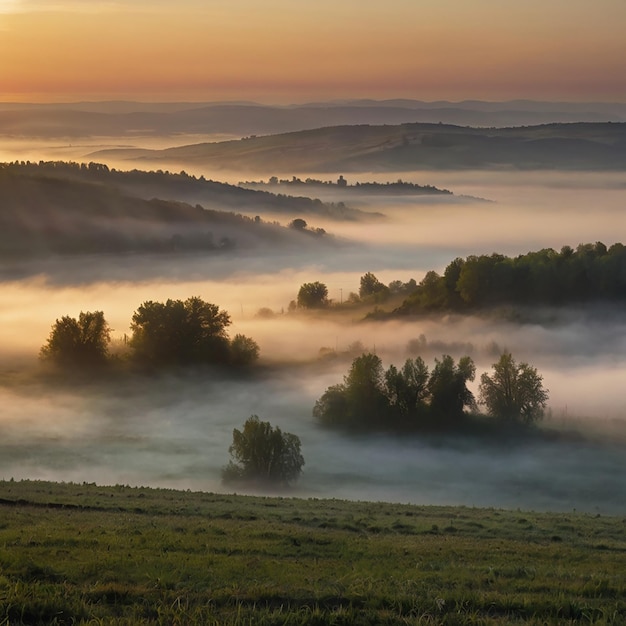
[175, 432]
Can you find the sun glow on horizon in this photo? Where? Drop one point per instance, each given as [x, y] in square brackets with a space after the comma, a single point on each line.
[285, 52]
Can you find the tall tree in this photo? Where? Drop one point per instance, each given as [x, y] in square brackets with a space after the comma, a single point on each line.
[514, 392]
[407, 389]
[447, 385]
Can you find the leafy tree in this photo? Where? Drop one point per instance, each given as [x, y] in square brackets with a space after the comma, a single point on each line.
[81, 342]
[371, 287]
[243, 350]
[313, 295]
[365, 390]
[514, 393]
[180, 333]
[447, 386]
[332, 408]
[263, 454]
[407, 389]
[360, 401]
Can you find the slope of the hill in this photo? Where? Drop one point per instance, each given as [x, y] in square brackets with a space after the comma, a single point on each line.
[42, 215]
[580, 146]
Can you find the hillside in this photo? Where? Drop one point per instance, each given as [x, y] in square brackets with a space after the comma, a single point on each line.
[42, 215]
[181, 187]
[580, 146]
[79, 554]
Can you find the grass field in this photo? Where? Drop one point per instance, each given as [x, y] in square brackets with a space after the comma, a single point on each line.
[85, 554]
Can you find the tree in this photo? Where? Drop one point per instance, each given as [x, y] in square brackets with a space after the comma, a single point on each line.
[370, 286]
[263, 454]
[81, 342]
[360, 402]
[514, 393]
[243, 350]
[180, 333]
[407, 389]
[313, 295]
[447, 386]
[298, 224]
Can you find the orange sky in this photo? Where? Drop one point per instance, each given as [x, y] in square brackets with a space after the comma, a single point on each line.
[281, 51]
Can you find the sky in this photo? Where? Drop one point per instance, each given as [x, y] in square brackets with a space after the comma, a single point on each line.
[290, 51]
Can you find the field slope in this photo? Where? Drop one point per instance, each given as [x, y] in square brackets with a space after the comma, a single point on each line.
[79, 554]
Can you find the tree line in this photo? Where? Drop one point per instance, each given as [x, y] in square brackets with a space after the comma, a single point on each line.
[164, 334]
[414, 398]
[591, 272]
[314, 295]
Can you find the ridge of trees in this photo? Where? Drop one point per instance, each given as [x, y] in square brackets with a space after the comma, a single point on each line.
[399, 187]
[414, 398]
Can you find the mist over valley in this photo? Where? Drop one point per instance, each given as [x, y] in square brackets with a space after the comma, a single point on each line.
[175, 429]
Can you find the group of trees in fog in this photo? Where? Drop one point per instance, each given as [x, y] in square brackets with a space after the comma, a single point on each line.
[164, 334]
[413, 398]
[591, 272]
[314, 295]
[409, 399]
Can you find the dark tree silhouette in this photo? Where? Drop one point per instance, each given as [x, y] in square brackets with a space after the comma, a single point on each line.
[447, 386]
[180, 333]
[405, 399]
[81, 342]
[298, 224]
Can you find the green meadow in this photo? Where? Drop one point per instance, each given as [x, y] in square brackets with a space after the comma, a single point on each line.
[86, 554]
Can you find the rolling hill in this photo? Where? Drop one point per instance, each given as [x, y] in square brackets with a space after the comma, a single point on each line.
[44, 214]
[580, 146]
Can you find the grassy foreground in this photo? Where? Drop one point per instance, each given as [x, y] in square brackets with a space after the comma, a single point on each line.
[84, 554]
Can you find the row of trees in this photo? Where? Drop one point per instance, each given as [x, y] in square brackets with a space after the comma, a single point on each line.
[590, 272]
[414, 398]
[171, 333]
[314, 295]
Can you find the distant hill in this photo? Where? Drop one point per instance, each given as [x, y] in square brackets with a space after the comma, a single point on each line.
[43, 214]
[185, 188]
[581, 146]
[244, 118]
